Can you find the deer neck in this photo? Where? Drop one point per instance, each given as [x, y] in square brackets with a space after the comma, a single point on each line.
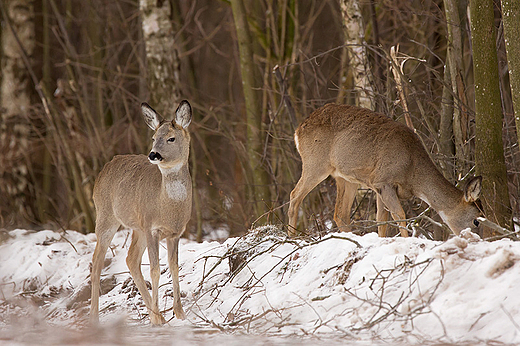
[438, 192]
[174, 182]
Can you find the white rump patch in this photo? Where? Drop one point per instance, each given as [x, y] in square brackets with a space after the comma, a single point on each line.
[296, 142]
[176, 190]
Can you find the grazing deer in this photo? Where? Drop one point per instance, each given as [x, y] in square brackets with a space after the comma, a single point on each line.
[360, 147]
[152, 196]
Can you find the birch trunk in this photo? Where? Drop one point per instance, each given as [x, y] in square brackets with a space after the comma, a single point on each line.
[15, 86]
[354, 33]
[489, 147]
[161, 56]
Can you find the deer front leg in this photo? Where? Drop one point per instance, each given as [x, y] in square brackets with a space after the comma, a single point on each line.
[152, 240]
[133, 261]
[173, 262]
[388, 196]
[345, 195]
[382, 217]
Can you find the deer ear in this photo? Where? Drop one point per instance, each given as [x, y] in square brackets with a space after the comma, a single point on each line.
[183, 114]
[151, 117]
[472, 189]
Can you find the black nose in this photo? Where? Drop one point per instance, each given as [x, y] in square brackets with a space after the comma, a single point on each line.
[155, 156]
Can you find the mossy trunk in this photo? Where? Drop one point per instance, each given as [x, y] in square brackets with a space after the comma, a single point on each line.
[489, 147]
[511, 20]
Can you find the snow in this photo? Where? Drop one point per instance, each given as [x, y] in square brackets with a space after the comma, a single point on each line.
[364, 289]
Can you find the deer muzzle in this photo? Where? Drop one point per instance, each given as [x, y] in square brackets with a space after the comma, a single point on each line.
[155, 156]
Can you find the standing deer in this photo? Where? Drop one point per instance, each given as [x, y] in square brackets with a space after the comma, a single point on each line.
[152, 196]
[360, 147]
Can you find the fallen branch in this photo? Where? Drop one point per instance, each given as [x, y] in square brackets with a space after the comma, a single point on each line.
[503, 231]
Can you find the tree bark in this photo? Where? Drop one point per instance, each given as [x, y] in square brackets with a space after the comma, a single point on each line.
[15, 102]
[43, 201]
[511, 20]
[161, 56]
[489, 151]
[454, 64]
[259, 180]
[446, 145]
[354, 33]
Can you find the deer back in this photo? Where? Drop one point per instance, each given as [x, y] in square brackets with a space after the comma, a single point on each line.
[361, 145]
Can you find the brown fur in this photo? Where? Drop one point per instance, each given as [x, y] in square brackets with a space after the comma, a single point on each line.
[360, 147]
[152, 196]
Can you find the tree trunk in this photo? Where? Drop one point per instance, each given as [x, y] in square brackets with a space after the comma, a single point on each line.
[43, 200]
[511, 20]
[446, 145]
[94, 31]
[354, 34]
[15, 129]
[489, 151]
[161, 56]
[454, 63]
[259, 180]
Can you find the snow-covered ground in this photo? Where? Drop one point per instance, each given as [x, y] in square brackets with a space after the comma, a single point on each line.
[339, 288]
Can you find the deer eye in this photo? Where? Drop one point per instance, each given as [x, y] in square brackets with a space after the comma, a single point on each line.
[171, 140]
[476, 222]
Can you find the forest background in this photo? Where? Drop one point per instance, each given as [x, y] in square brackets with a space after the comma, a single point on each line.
[73, 74]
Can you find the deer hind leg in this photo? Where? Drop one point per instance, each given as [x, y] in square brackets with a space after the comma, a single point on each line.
[105, 231]
[345, 195]
[173, 262]
[388, 196]
[133, 261]
[308, 181]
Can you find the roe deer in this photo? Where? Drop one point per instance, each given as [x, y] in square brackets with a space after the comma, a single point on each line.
[359, 147]
[152, 196]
